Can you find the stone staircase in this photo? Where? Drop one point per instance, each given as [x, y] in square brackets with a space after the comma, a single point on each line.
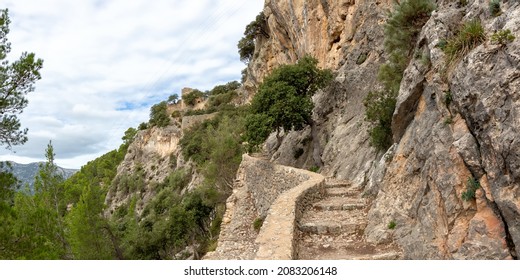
[332, 228]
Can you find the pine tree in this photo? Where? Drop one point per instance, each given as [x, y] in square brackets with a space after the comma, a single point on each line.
[89, 232]
[8, 183]
[16, 80]
[39, 228]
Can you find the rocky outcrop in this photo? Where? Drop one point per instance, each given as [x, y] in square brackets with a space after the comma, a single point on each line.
[151, 157]
[442, 145]
[340, 129]
[330, 30]
[451, 124]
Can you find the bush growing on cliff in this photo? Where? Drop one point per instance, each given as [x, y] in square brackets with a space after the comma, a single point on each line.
[216, 146]
[222, 95]
[401, 31]
[191, 97]
[502, 37]
[471, 188]
[494, 8]
[246, 45]
[284, 100]
[158, 115]
[470, 35]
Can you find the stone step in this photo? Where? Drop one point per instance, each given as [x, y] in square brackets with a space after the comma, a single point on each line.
[343, 192]
[340, 203]
[332, 183]
[327, 227]
[332, 221]
[343, 247]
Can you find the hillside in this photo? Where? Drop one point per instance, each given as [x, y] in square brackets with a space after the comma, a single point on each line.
[448, 183]
[391, 132]
[27, 172]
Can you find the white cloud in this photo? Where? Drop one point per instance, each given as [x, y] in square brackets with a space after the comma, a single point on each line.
[106, 62]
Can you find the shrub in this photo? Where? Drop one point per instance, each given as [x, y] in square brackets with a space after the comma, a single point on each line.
[361, 58]
[494, 8]
[257, 224]
[158, 115]
[176, 114]
[216, 101]
[469, 36]
[471, 187]
[401, 31]
[380, 108]
[216, 146]
[143, 126]
[283, 101]
[502, 37]
[391, 224]
[246, 45]
[191, 97]
[448, 98]
[315, 169]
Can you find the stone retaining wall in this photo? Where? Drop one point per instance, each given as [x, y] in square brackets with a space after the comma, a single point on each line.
[189, 121]
[265, 190]
[276, 240]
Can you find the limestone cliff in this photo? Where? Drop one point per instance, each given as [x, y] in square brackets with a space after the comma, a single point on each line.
[152, 156]
[438, 146]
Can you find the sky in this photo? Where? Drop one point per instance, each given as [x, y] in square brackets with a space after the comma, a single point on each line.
[106, 62]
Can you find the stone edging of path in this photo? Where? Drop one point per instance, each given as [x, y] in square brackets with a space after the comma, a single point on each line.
[276, 239]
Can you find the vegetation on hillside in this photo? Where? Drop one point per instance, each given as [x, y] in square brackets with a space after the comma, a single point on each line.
[283, 100]
[470, 35]
[401, 30]
[67, 219]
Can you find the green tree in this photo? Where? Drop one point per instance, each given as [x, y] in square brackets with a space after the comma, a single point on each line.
[89, 232]
[158, 115]
[16, 81]
[191, 97]
[8, 184]
[246, 45]
[39, 227]
[174, 98]
[129, 136]
[284, 100]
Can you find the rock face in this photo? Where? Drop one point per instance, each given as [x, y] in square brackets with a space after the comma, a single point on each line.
[153, 154]
[443, 145]
[451, 124]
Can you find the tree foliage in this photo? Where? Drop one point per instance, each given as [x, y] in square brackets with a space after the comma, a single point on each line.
[246, 45]
[16, 81]
[284, 100]
[129, 136]
[88, 231]
[191, 97]
[39, 226]
[158, 115]
[401, 30]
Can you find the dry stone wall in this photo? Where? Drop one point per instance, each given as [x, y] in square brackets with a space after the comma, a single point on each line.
[263, 190]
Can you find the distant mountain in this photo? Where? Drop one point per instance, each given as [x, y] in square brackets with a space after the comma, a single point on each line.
[27, 172]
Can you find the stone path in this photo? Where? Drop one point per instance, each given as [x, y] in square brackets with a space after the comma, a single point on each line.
[333, 228]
